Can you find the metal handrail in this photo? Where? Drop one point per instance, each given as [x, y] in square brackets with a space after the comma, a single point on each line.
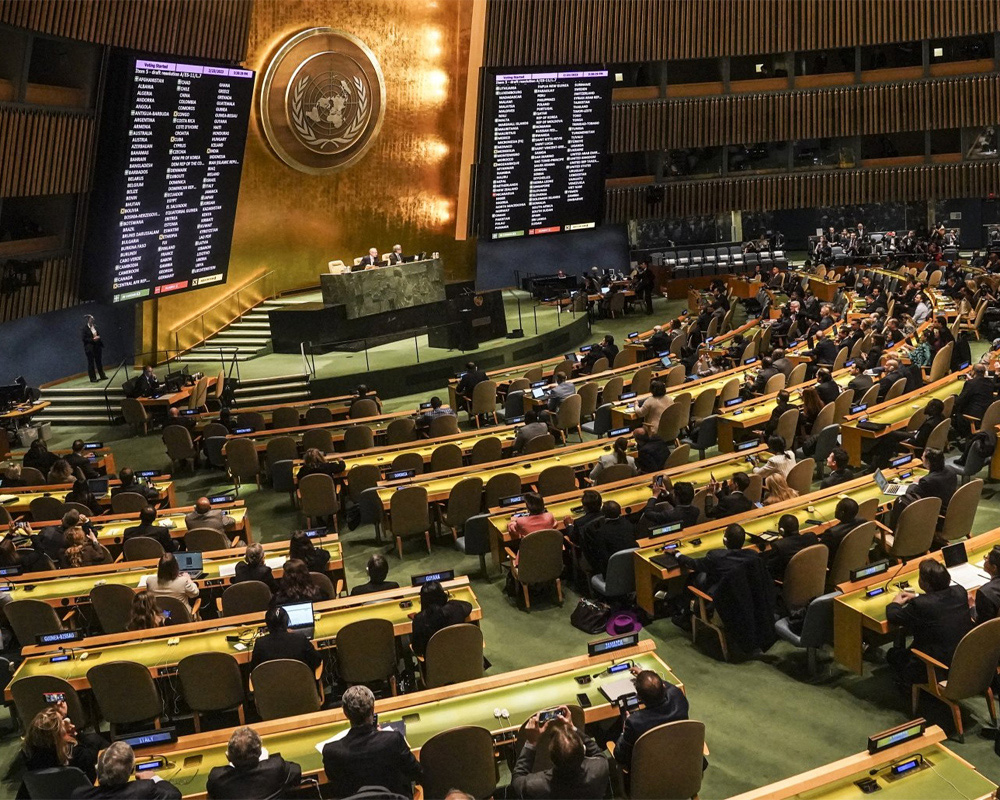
[241, 308]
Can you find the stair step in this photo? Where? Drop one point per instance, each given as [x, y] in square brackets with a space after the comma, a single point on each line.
[95, 389]
[297, 377]
[268, 399]
[80, 407]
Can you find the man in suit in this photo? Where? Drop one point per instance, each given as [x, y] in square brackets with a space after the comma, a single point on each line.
[377, 570]
[396, 256]
[846, 513]
[780, 363]
[715, 565]
[532, 427]
[644, 283]
[128, 483]
[77, 459]
[662, 703]
[782, 404]
[578, 769]
[574, 527]
[779, 553]
[892, 374]
[370, 260]
[651, 451]
[367, 756]
[988, 595]
[840, 471]
[93, 348]
[606, 536]
[728, 498]
[148, 384]
[659, 342]
[859, 382]
[937, 620]
[146, 528]
[251, 773]
[826, 387]
[204, 516]
[114, 772]
[558, 392]
[283, 643]
[939, 482]
[757, 384]
[609, 349]
[825, 351]
[663, 507]
[469, 381]
[976, 396]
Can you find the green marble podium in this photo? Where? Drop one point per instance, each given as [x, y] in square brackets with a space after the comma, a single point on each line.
[376, 291]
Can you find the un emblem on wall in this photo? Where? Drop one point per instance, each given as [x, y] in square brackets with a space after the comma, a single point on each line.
[322, 100]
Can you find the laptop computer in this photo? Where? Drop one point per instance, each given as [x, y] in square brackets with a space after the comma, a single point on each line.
[99, 486]
[890, 489]
[538, 393]
[191, 563]
[966, 575]
[300, 618]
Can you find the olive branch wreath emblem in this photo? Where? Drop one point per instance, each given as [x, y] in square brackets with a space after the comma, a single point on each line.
[303, 129]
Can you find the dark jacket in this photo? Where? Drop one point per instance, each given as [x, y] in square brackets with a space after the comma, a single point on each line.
[779, 553]
[860, 384]
[662, 513]
[317, 560]
[367, 756]
[828, 391]
[716, 565]
[674, 707]
[469, 381]
[936, 620]
[262, 780]
[727, 505]
[834, 535]
[772, 422]
[975, 397]
[86, 466]
[148, 492]
[988, 601]
[745, 602]
[370, 587]
[260, 572]
[888, 379]
[934, 484]
[158, 532]
[427, 623]
[837, 477]
[825, 351]
[589, 781]
[133, 790]
[605, 538]
[284, 644]
[652, 454]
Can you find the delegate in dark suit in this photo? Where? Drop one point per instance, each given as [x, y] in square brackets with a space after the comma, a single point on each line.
[780, 552]
[366, 756]
[368, 261]
[284, 644]
[715, 565]
[661, 513]
[133, 790]
[158, 532]
[93, 348]
[605, 538]
[834, 535]
[264, 779]
[976, 396]
[937, 620]
[590, 780]
[729, 504]
[469, 381]
[674, 707]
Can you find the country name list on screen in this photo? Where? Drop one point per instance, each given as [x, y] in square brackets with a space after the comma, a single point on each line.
[187, 127]
[549, 146]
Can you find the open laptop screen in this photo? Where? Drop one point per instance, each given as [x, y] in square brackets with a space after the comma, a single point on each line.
[300, 615]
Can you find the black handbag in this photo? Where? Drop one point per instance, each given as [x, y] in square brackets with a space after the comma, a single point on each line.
[590, 616]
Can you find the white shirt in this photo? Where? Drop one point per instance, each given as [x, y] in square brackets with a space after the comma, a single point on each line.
[921, 313]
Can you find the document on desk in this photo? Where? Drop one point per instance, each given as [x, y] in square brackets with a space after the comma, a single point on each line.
[968, 576]
[618, 688]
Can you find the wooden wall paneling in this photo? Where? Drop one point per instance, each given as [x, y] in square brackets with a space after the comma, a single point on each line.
[44, 152]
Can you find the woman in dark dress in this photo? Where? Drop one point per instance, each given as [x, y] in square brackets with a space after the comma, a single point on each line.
[296, 586]
[302, 548]
[437, 611]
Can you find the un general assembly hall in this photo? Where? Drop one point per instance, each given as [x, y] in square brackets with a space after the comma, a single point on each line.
[514, 399]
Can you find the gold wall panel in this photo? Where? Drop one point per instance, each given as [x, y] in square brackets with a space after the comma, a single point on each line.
[404, 190]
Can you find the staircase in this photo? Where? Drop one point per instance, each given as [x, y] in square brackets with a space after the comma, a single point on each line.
[80, 405]
[273, 389]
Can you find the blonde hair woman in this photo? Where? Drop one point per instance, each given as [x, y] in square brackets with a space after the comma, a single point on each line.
[777, 489]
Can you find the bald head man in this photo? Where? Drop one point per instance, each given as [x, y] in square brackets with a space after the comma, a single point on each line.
[204, 516]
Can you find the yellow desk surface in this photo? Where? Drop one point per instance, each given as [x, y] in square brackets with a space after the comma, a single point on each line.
[378, 424]
[102, 459]
[947, 776]
[895, 413]
[151, 649]
[338, 405]
[853, 612]
[622, 413]
[72, 587]
[21, 497]
[521, 693]
[110, 533]
[818, 505]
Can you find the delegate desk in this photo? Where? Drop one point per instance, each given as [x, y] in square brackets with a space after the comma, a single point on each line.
[854, 612]
[894, 414]
[339, 407]
[23, 413]
[152, 649]
[942, 774]
[521, 692]
[71, 587]
[626, 373]
[18, 500]
[708, 535]
[631, 494]
[505, 375]
[161, 402]
[102, 459]
[378, 424]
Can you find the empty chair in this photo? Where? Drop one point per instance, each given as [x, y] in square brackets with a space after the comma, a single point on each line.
[962, 511]
[284, 417]
[475, 540]
[409, 461]
[241, 461]
[823, 418]
[125, 693]
[459, 759]
[619, 581]
[816, 629]
[135, 415]
[31, 618]
[284, 687]
[641, 380]
[319, 439]
[282, 474]
[484, 402]
[600, 365]
[805, 577]
[612, 390]
[358, 437]
[533, 374]
[539, 444]
[797, 375]
[252, 419]
[140, 548]
[842, 405]
[623, 358]
[729, 391]
[787, 423]
[211, 682]
[444, 425]
[318, 498]
[446, 456]
[538, 560]
[464, 500]
[775, 383]
[400, 431]
[180, 446]
[365, 407]
[32, 477]
[112, 603]
[602, 420]
[504, 484]
[409, 516]
[678, 457]
[895, 390]
[214, 450]
[454, 654]
[486, 450]
[366, 652]
[205, 540]
[870, 397]
[707, 435]
[568, 417]
[245, 597]
[703, 405]
[281, 448]
[852, 553]
[318, 415]
[800, 476]
[672, 420]
[45, 508]
[128, 503]
[557, 479]
[684, 740]
[513, 405]
[615, 472]
[914, 530]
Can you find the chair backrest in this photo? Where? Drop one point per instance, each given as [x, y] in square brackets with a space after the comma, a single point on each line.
[895, 390]
[319, 438]
[852, 553]
[539, 444]
[484, 398]
[245, 597]
[588, 398]
[125, 692]
[533, 374]
[215, 450]
[938, 440]
[112, 603]
[134, 412]
[678, 457]
[322, 582]
[539, 558]
[503, 484]
[601, 365]
[241, 459]
[366, 407]
[797, 375]
[616, 472]
[826, 442]
[178, 442]
[787, 424]
[641, 380]
[619, 580]
[447, 456]
[361, 477]
[46, 507]
[282, 476]
[612, 389]
[284, 687]
[962, 511]
[211, 681]
[974, 665]
[281, 448]
[557, 479]
[842, 405]
[685, 741]
[800, 476]
[27, 693]
[840, 359]
[408, 508]
[755, 490]
[400, 431]
[730, 390]
[318, 495]
[570, 410]
[174, 609]
[205, 540]
[31, 618]
[464, 500]
[513, 404]
[140, 548]
[775, 383]
[214, 429]
[54, 783]
[486, 450]
[823, 418]
[128, 503]
[366, 651]
[459, 759]
[454, 654]
[704, 404]
[674, 376]
[915, 528]
[671, 421]
[32, 476]
[408, 461]
[991, 418]
[320, 415]
[445, 425]
[284, 417]
[805, 576]
[358, 437]
[817, 627]
[941, 363]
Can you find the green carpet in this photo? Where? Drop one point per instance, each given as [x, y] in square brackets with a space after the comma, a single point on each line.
[765, 718]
